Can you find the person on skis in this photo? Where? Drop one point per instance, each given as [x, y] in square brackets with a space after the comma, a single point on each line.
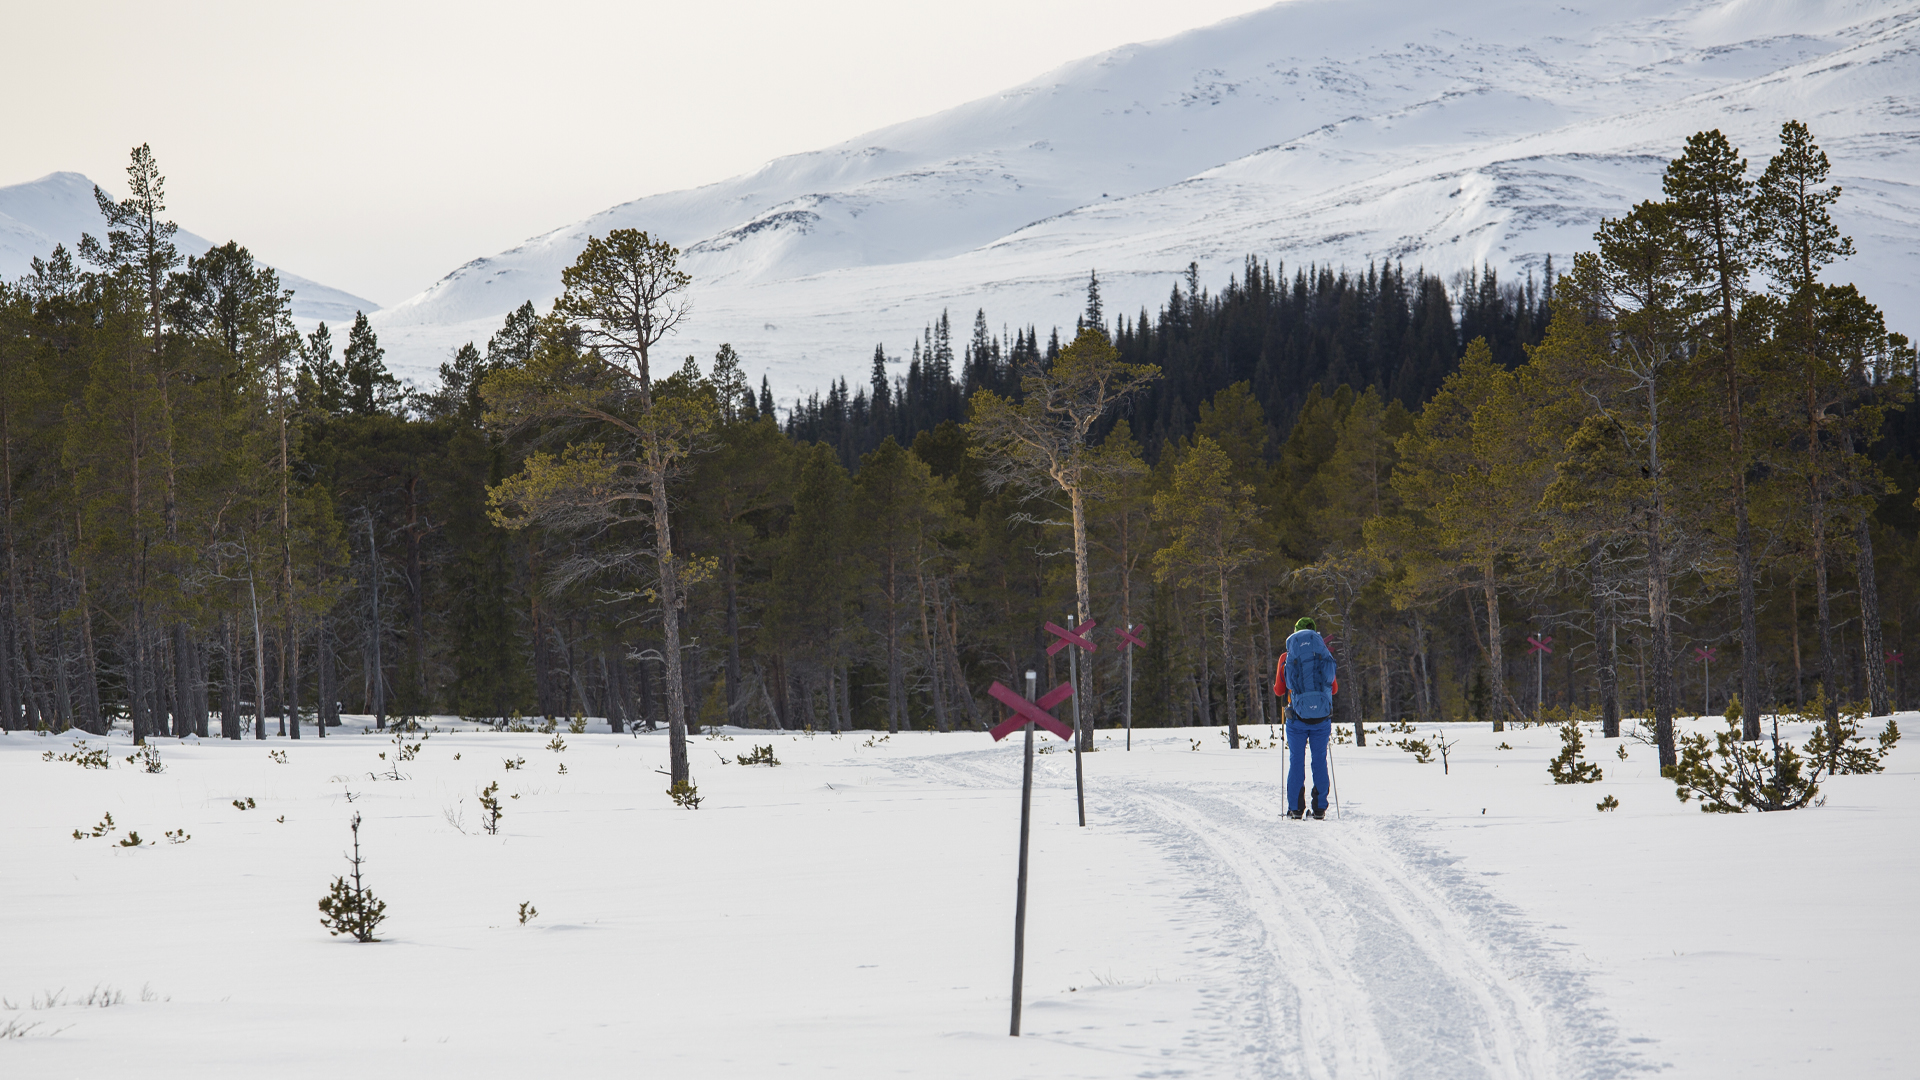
[1307, 686]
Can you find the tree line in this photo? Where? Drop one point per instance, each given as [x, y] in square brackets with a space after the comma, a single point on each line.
[1685, 441]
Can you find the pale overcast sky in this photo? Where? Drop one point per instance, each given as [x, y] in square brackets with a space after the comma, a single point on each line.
[376, 146]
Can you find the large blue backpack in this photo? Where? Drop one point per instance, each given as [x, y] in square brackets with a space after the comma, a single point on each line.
[1309, 675]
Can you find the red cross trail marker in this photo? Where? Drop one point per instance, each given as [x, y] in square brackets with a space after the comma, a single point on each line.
[1074, 636]
[1030, 712]
[1539, 645]
[1127, 640]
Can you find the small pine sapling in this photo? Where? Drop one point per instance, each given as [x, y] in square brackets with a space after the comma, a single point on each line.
[578, 725]
[515, 763]
[279, 756]
[1504, 745]
[557, 745]
[563, 768]
[132, 839]
[1606, 804]
[102, 828]
[246, 804]
[1421, 751]
[1566, 767]
[148, 758]
[1621, 753]
[177, 836]
[528, 912]
[1732, 777]
[490, 808]
[762, 755]
[402, 751]
[685, 795]
[352, 909]
[1850, 754]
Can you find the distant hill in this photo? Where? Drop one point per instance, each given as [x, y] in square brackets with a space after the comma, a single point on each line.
[1327, 131]
[59, 207]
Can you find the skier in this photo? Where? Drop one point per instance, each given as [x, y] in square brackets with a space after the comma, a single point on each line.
[1308, 689]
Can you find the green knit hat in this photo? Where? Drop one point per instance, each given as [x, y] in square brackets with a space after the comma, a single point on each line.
[1305, 623]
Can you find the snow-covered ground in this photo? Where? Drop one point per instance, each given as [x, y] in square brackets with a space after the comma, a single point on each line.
[848, 913]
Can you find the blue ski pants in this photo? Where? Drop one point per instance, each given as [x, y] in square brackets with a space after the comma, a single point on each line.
[1300, 735]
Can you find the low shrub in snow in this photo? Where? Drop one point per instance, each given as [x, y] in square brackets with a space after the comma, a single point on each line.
[1731, 777]
[1845, 750]
[80, 755]
[762, 755]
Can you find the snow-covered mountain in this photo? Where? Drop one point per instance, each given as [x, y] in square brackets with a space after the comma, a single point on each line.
[1324, 131]
[59, 207]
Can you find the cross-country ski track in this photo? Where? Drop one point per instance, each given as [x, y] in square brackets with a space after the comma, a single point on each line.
[1347, 947]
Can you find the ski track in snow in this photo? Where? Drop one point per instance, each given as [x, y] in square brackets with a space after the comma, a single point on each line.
[1349, 948]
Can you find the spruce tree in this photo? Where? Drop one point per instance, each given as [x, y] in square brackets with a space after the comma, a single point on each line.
[370, 388]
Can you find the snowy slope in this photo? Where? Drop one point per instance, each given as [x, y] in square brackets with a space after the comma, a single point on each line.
[59, 207]
[1333, 131]
[848, 913]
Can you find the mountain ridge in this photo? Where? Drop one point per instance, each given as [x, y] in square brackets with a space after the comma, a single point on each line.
[58, 207]
[1308, 132]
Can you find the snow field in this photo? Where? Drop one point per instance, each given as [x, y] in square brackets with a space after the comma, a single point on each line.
[849, 913]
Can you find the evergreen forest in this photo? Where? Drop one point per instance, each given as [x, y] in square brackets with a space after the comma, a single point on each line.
[1674, 473]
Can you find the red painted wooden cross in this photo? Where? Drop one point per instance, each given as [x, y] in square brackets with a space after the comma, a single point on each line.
[1543, 644]
[1025, 712]
[1127, 640]
[1074, 636]
[1894, 658]
[1705, 655]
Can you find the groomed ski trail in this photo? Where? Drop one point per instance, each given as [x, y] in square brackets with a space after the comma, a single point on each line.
[1354, 949]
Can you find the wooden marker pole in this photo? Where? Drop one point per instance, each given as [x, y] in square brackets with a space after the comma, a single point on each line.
[1079, 733]
[1027, 712]
[1020, 894]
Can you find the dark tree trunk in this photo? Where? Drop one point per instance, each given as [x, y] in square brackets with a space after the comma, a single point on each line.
[230, 679]
[327, 708]
[1605, 661]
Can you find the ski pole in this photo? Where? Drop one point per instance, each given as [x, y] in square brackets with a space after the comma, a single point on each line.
[1333, 774]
